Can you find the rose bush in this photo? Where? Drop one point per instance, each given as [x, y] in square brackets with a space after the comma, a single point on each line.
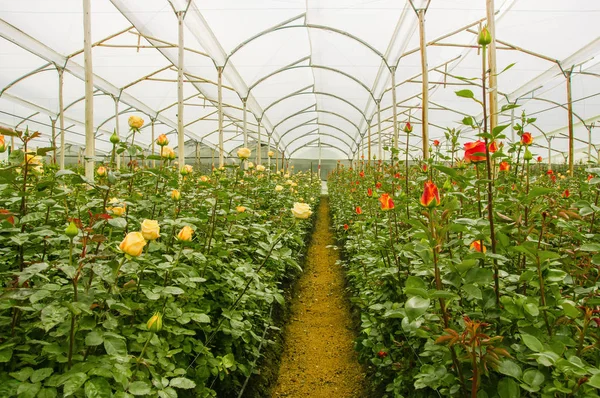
[130, 302]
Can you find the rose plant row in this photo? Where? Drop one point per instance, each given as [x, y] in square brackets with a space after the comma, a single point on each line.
[155, 282]
[475, 274]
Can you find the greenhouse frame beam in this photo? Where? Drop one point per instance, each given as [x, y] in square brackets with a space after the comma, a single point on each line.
[307, 110]
[21, 39]
[328, 68]
[287, 146]
[321, 144]
[310, 123]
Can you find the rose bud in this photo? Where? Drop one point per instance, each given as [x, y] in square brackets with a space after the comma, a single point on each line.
[155, 323]
[71, 231]
[185, 235]
[150, 229]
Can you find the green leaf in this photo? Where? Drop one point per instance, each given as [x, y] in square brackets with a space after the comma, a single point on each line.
[533, 377]
[594, 381]
[182, 382]
[538, 191]
[590, 247]
[510, 368]
[508, 388]
[473, 291]
[498, 129]
[532, 309]
[479, 275]
[41, 374]
[5, 355]
[228, 360]
[532, 342]
[173, 290]
[115, 346]
[47, 393]
[118, 222]
[98, 387]
[74, 383]
[570, 310]
[467, 121]
[416, 306]
[64, 172]
[140, 388]
[93, 338]
[167, 393]
[44, 151]
[28, 390]
[22, 374]
[465, 93]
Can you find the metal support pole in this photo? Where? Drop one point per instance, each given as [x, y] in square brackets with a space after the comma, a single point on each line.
[549, 153]
[197, 155]
[369, 144]
[258, 145]
[379, 130]
[590, 144]
[53, 122]
[61, 106]
[394, 111]
[277, 159]
[180, 131]
[425, 87]
[320, 158]
[268, 149]
[245, 123]
[118, 158]
[493, 80]
[153, 140]
[90, 144]
[512, 125]
[220, 108]
[570, 111]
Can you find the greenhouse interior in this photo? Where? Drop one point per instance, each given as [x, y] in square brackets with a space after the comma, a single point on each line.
[286, 198]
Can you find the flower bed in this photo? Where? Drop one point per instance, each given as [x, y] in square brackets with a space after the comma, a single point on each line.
[148, 282]
[470, 289]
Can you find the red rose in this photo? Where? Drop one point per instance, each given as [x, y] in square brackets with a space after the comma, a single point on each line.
[504, 166]
[474, 151]
[386, 202]
[358, 210]
[526, 139]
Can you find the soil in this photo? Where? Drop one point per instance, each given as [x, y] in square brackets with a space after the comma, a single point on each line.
[318, 357]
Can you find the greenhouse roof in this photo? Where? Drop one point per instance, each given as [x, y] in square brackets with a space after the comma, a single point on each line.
[309, 72]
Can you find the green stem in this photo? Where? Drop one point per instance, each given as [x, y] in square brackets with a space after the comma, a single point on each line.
[143, 350]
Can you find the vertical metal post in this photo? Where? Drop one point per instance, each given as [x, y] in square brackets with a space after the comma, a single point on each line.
[512, 125]
[180, 136]
[197, 155]
[245, 123]
[394, 112]
[493, 80]
[53, 122]
[277, 159]
[570, 112]
[90, 144]
[319, 158]
[268, 149]
[549, 153]
[258, 145]
[61, 106]
[369, 142]
[425, 86]
[589, 143]
[379, 130]
[220, 108]
[118, 158]
[152, 120]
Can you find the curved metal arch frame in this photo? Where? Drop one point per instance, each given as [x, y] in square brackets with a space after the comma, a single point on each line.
[286, 147]
[322, 144]
[295, 66]
[307, 111]
[309, 123]
[292, 95]
[309, 26]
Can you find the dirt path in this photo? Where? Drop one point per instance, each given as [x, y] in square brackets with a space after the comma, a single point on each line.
[319, 358]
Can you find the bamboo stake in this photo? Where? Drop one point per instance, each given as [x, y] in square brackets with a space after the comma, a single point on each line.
[220, 107]
[117, 129]
[394, 111]
[570, 112]
[61, 107]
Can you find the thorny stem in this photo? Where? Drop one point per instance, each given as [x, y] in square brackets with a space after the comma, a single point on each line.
[490, 186]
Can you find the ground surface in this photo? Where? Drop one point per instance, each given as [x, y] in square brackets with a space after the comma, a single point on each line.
[318, 358]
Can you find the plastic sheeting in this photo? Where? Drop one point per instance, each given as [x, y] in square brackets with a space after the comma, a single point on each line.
[312, 70]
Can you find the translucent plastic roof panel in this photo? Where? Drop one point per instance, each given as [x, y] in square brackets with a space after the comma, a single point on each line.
[328, 60]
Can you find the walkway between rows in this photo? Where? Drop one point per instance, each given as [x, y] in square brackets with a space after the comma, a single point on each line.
[319, 358]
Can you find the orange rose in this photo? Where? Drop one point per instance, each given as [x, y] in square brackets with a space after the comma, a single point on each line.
[431, 196]
[526, 139]
[473, 151]
[504, 166]
[386, 202]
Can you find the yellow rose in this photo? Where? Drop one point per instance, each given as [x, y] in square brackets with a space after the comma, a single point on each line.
[187, 169]
[167, 152]
[244, 153]
[101, 171]
[204, 179]
[270, 154]
[185, 234]
[2, 144]
[240, 209]
[250, 165]
[278, 188]
[119, 208]
[155, 323]
[286, 175]
[133, 244]
[301, 210]
[135, 122]
[162, 140]
[150, 229]
[260, 167]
